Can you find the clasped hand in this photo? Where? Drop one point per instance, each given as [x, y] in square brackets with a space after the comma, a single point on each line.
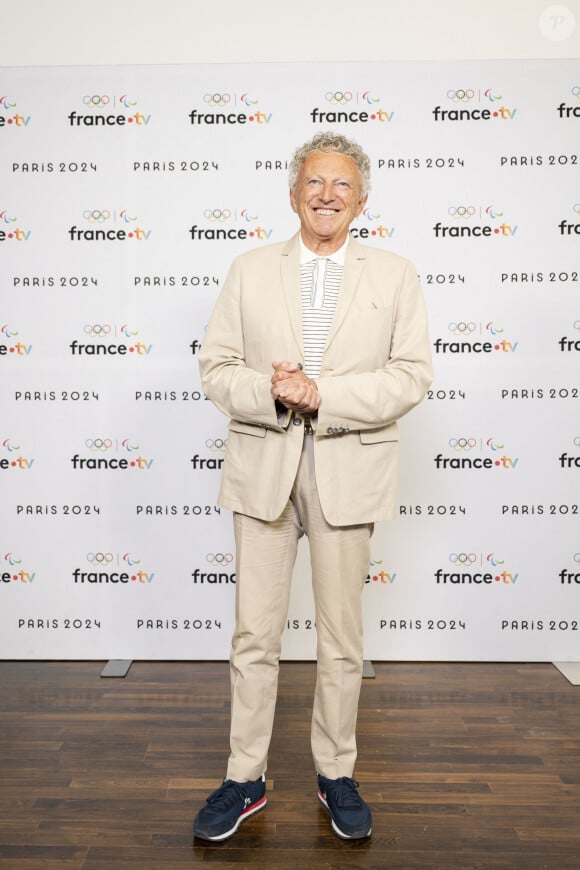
[294, 389]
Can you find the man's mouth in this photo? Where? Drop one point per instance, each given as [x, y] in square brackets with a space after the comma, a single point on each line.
[325, 211]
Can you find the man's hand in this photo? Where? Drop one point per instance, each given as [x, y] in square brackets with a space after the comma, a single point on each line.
[294, 389]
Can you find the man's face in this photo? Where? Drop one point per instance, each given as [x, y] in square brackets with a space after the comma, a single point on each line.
[327, 197]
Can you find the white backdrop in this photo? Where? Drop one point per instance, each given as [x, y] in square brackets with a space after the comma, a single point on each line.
[118, 185]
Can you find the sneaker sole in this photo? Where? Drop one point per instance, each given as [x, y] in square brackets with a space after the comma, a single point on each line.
[254, 808]
[358, 835]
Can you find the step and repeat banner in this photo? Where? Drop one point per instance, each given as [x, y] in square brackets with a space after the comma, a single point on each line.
[126, 192]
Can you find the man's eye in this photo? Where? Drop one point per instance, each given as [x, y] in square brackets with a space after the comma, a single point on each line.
[314, 181]
[342, 184]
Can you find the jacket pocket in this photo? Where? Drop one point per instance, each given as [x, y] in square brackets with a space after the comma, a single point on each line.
[375, 436]
[247, 428]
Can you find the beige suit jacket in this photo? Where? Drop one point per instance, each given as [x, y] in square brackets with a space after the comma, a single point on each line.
[375, 368]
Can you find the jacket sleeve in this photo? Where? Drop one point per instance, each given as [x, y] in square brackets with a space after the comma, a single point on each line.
[368, 400]
[235, 389]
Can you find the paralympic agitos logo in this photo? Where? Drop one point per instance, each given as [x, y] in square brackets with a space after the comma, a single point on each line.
[339, 109]
[9, 117]
[462, 103]
[12, 570]
[11, 456]
[108, 110]
[11, 342]
[225, 223]
[113, 454]
[467, 452]
[226, 108]
[475, 337]
[10, 228]
[480, 569]
[463, 224]
[109, 225]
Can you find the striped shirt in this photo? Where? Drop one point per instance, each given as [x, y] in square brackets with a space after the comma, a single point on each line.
[320, 280]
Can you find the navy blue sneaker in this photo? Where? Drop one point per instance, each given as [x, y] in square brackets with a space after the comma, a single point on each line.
[227, 807]
[350, 816]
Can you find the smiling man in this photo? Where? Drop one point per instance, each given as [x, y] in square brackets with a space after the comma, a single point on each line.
[315, 348]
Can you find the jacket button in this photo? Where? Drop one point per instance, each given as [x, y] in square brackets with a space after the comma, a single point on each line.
[297, 421]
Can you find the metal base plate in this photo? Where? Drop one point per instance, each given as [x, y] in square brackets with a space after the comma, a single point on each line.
[117, 668]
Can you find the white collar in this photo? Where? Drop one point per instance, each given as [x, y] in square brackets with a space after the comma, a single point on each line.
[306, 255]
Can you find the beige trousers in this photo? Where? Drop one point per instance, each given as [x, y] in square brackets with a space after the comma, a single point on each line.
[265, 556]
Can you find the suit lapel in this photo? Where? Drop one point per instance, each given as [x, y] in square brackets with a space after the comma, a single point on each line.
[290, 276]
[353, 269]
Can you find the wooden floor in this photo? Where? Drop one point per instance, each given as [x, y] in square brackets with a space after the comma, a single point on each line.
[464, 766]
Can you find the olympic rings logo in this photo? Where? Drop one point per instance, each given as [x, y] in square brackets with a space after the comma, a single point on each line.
[99, 558]
[216, 444]
[461, 95]
[216, 99]
[575, 91]
[462, 328]
[461, 211]
[462, 559]
[95, 329]
[96, 215]
[216, 559]
[462, 443]
[96, 101]
[493, 561]
[101, 444]
[338, 97]
[217, 214]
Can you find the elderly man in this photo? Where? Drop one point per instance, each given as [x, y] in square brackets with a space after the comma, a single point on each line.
[316, 347]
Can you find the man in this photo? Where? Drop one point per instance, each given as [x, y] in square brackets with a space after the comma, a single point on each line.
[315, 348]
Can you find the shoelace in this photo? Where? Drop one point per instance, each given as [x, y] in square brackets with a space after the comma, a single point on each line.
[226, 796]
[345, 793]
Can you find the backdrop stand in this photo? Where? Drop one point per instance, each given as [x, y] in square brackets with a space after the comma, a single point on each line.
[368, 670]
[117, 668]
[571, 671]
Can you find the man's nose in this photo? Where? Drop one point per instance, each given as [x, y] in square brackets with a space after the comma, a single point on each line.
[327, 192]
